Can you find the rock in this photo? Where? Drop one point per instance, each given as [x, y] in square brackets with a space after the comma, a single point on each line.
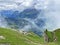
[2, 37]
[23, 32]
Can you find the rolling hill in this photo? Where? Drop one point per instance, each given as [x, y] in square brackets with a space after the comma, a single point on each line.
[16, 38]
[13, 37]
[57, 34]
[53, 36]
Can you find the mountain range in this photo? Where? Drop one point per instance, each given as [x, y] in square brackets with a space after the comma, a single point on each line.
[26, 20]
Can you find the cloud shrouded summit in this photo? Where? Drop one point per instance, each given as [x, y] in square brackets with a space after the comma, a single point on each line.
[48, 12]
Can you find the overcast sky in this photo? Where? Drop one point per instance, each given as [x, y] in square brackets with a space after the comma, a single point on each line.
[11, 4]
[51, 7]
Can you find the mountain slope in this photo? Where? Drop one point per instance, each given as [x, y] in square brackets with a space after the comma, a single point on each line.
[57, 34]
[16, 38]
[29, 17]
[53, 36]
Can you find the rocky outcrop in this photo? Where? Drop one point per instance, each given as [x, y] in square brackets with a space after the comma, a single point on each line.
[2, 37]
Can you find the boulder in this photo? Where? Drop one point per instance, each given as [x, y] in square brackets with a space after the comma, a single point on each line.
[2, 37]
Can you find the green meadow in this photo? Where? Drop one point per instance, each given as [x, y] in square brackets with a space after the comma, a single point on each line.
[16, 38]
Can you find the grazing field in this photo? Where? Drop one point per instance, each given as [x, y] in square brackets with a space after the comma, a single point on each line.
[16, 38]
[12, 37]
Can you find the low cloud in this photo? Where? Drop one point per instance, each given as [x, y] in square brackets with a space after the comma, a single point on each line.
[51, 10]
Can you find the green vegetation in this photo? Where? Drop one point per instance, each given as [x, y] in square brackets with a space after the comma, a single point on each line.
[16, 38]
[50, 35]
[53, 37]
[57, 34]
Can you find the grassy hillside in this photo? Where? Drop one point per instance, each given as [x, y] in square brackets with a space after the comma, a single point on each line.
[15, 38]
[57, 34]
[53, 37]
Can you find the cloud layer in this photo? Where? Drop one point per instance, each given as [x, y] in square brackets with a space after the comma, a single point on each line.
[11, 4]
[51, 10]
